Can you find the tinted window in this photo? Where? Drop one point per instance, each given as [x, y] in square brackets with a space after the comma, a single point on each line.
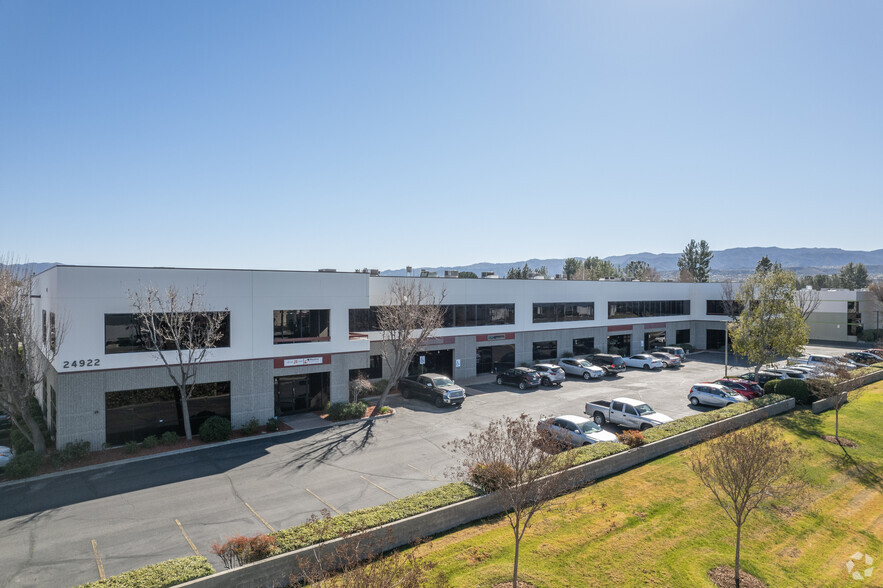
[647, 308]
[300, 326]
[122, 334]
[616, 406]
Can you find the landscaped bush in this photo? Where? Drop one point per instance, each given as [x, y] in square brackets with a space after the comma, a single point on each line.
[17, 440]
[632, 438]
[23, 465]
[215, 428]
[796, 389]
[169, 438]
[132, 447]
[588, 453]
[240, 550]
[161, 575]
[686, 347]
[150, 442]
[317, 531]
[346, 411]
[71, 452]
[770, 387]
[272, 425]
[490, 477]
[380, 385]
[251, 427]
[360, 387]
[567, 354]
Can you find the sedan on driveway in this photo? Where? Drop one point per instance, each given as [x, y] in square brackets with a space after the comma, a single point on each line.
[574, 431]
[581, 368]
[713, 395]
[521, 376]
[549, 374]
[644, 361]
[744, 387]
[668, 360]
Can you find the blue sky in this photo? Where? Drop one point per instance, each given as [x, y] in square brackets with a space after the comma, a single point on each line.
[301, 135]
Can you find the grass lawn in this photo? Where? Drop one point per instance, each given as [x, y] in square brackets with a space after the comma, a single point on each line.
[656, 525]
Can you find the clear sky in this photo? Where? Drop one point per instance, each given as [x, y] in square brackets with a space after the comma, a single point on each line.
[302, 135]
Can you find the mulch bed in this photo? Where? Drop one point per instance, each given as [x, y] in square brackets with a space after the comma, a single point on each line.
[725, 577]
[843, 441]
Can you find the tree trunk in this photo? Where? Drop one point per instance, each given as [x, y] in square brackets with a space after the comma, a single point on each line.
[36, 435]
[837, 420]
[515, 566]
[185, 414]
[738, 544]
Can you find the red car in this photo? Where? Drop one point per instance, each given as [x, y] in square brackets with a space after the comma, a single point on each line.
[744, 387]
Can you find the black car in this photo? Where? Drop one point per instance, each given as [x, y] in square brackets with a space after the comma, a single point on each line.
[611, 364]
[521, 376]
[762, 377]
[864, 357]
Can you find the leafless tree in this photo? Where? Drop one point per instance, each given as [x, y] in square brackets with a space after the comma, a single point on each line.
[179, 330]
[745, 468]
[26, 351]
[876, 289]
[410, 315]
[839, 387]
[518, 462]
[808, 301]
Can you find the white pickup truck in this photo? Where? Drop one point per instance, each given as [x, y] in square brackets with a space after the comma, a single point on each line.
[628, 412]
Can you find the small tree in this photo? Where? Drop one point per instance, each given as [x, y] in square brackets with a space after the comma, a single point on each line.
[410, 315]
[641, 270]
[572, 265]
[854, 276]
[839, 387]
[745, 468]
[180, 331]
[514, 459]
[695, 261]
[27, 348]
[597, 268]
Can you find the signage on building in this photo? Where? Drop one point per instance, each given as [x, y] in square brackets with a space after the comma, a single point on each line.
[496, 337]
[303, 361]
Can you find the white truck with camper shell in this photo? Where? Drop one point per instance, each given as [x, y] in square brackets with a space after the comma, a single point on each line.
[626, 412]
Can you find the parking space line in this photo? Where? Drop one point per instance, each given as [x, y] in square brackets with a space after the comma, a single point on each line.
[98, 560]
[425, 473]
[379, 486]
[260, 518]
[322, 501]
[187, 537]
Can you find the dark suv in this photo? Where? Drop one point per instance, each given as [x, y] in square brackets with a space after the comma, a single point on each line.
[521, 376]
[611, 364]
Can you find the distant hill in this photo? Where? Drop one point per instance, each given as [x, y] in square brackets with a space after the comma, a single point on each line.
[726, 262]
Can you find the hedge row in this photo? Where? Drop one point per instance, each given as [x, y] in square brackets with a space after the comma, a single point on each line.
[695, 421]
[864, 371]
[314, 532]
[161, 575]
[594, 451]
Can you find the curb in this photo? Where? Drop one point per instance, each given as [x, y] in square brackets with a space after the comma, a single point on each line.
[128, 460]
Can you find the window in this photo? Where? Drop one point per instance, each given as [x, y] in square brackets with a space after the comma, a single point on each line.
[45, 327]
[52, 332]
[583, 346]
[374, 371]
[647, 308]
[300, 326]
[362, 320]
[556, 312]
[455, 315]
[719, 307]
[122, 334]
[682, 336]
[545, 350]
[853, 319]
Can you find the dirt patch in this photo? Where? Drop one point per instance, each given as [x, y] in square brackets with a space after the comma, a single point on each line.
[843, 441]
[725, 577]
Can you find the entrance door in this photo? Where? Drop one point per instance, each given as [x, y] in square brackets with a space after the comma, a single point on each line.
[494, 358]
[619, 345]
[653, 339]
[715, 338]
[437, 362]
[301, 393]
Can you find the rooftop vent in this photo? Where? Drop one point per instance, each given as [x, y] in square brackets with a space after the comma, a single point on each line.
[328, 269]
[451, 273]
[488, 275]
[428, 274]
[375, 272]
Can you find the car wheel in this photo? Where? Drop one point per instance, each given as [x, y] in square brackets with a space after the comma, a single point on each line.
[694, 401]
[406, 393]
[499, 381]
[645, 426]
[586, 375]
[439, 402]
[546, 382]
[599, 419]
[521, 386]
[586, 444]
[646, 366]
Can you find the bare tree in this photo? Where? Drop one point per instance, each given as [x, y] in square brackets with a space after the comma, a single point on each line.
[876, 289]
[27, 348]
[179, 329]
[518, 462]
[839, 387]
[410, 315]
[807, 300]
[745, 468]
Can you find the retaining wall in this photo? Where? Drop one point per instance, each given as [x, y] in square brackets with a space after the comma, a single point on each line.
[828, 403]
[275, 571]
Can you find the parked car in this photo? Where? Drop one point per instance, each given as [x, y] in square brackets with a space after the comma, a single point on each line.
[644, 361]
[786, 373]
[668, 360]
[855, 364]
[819, 360]
[674, 350]
[521, 376]
[746, 388]
[6, 455]
[865, 357]
[439, 389]
[575, 431]
[713, 395]
[762, 377]
[549, 374]
[611, 364]
[628, 412]
[5, 421]
[581, 368]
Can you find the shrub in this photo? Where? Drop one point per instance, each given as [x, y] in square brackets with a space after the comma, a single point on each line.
[215, 428]
[360, 387]
[380, 385]
[592, 452]
[686, 347]
[150, 442]
[23, 465]
[595, 351]
[161, 575]
[770, 387]
[251, 427]
[632, 438]
[169, 438]
[243, 550]
[796, 389]
[345, 411]
[490, 477]
[567, 354]
[132, 447]
[272, 425]
[385, 410]
[71, 452]
[18, 440]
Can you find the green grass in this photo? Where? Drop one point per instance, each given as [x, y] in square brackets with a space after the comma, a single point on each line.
[655, 525]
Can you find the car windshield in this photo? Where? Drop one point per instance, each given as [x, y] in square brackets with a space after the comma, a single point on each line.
[729, 391]
[589, 427]
[644, 409]
[583, 363]
[442, 381]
